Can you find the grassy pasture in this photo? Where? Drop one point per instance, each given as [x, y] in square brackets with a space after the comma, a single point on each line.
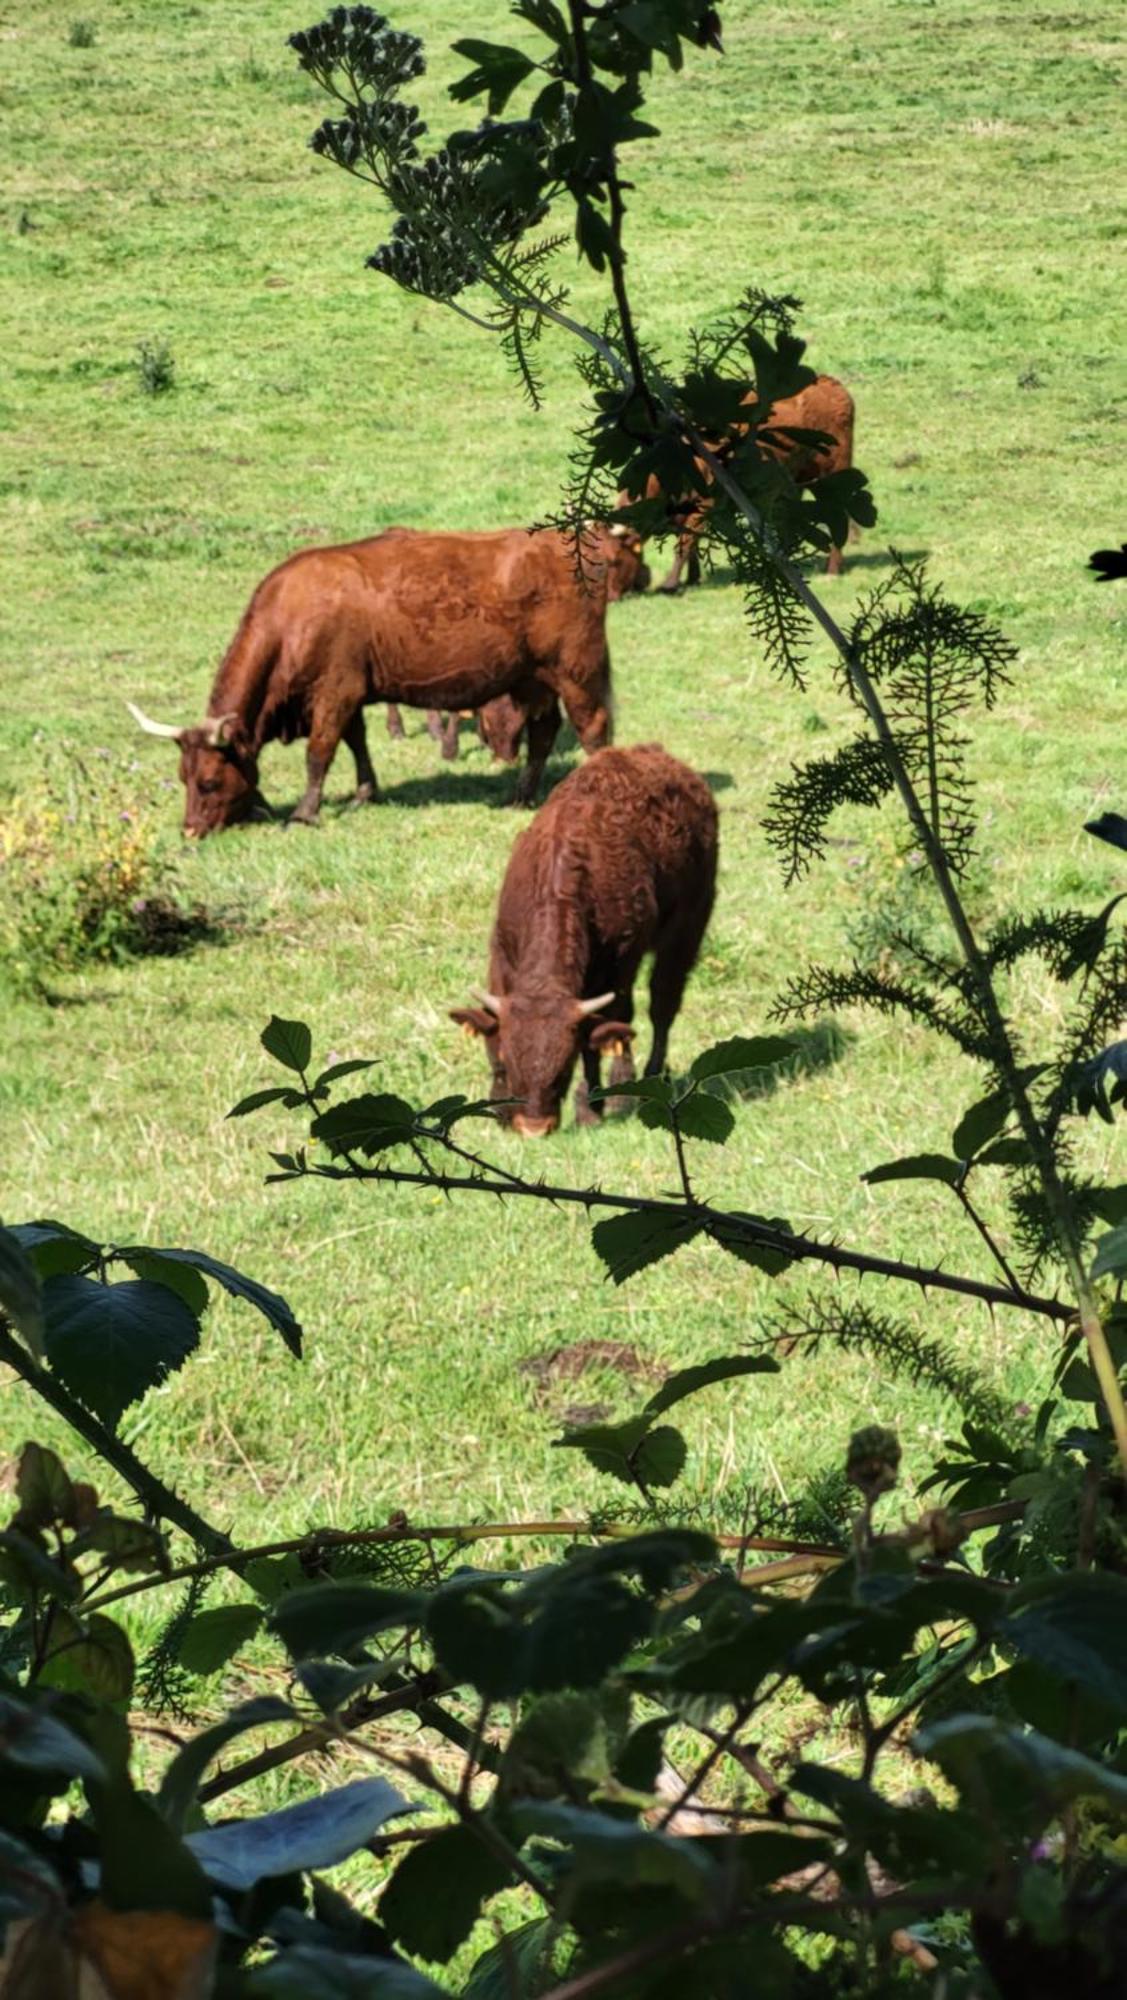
[935, 182]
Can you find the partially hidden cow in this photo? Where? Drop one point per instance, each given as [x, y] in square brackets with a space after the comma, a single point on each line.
[823, 405]
[500, 723]
[619, 862]
[431, 620]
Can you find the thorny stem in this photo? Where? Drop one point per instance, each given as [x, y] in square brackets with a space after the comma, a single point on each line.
[158, 1500]
[987, 1238]
[721, 1224]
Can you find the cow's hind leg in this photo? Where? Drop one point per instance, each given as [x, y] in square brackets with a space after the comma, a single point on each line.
[675, 955]
[367, 790]
[395, 727]
[540, 734]
[449, 736]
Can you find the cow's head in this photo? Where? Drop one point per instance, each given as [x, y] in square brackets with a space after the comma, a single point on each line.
[532, 1041]
[500, 724]
[219, 770]
[626, 571]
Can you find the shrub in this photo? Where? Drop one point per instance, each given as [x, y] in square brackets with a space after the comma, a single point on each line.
[156, 369]
[81, 880]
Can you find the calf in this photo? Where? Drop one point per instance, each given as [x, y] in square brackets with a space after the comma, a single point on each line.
[620, 861]
[823, 405]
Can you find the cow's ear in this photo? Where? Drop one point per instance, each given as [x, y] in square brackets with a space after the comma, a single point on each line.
[475, 1020]
[609, 1033]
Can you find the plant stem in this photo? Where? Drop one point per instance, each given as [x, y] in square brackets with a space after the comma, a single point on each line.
[159, 1500]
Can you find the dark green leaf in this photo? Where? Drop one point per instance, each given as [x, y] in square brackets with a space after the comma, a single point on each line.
[338, 1069]
[1075, 1624]
[1110, 1203]
[289, 1042]
[160, 1269]
[499, 70]
[181, 1781]
[53, 1247]
[616, 1850]
[918, 1167]
[435, 1896]
[328, 1618]
[986, 1118]
[726, 1368]
[628, 1243]
[144, 1864]
[1005, 1153]
[43, 1487]
[1017, 1774]
[278, 1093]
[610, 1447]
[697, 1117]
[271, 1305]
[109, 1343]
[365, 1124]
[28, 1888]
[91, 1657]
[214, 1635]
[742, 1052]
[519, 1963]
[557, 1737]
[319, 1832]
[307, 1972]
[660, 1458]
[34, 1740]
[741, 1243]
[19, 1292]
[1111, 1254]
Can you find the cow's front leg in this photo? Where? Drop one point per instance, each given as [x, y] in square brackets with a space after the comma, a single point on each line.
[587, 1113]
[540, 734]
[395, 727]
[317, 762]
[449, 737]
[367, 790]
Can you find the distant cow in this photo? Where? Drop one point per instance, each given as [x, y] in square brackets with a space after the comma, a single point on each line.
[501, 723]
[620, 861]
[448, 621]
[824, 405]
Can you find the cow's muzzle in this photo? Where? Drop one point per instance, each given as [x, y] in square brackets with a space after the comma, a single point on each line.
[533, 1128]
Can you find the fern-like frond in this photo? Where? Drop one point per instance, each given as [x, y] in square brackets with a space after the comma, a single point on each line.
[855, 1329]
[801, 806]
[822, 986]
[1069, 941]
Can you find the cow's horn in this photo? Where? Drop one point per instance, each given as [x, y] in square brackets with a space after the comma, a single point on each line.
[593, 1006]
[489, 1000]
[153, 728]
[218, 726]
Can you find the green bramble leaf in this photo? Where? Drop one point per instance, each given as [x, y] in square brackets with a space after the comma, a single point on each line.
[271, 1305]
[19, 1292]
[289, 1042]
[742, 1052]
[277, 1093]
[1110, 1260]
[628, 1243]
[183, 1279]
[726, 1368]
[435, 1896]
[110, 1343]
[918, 1167]
[213, 1636]
[697, 1116]
[365, 1124]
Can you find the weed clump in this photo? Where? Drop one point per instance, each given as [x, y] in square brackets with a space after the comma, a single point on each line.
[82, 34]
[156, 369]
[82, 882]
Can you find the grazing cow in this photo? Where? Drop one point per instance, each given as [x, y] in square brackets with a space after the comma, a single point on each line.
[824, 405]
[500, 723]
[620, 861]
[446, 621]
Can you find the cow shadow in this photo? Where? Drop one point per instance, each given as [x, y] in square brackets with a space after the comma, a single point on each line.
[721, 576]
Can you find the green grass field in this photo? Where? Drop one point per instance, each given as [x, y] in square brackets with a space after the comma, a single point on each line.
[936, 183]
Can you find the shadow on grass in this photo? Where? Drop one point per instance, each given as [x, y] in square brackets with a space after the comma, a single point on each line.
[818, 1048]
[163, 929]
[721, 576]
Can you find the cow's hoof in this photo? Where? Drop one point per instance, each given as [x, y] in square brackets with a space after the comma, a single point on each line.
[302, 818]
[365, 795]
[586, 1114]
[450, 752]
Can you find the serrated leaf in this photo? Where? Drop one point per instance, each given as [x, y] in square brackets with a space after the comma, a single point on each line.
[761, 1256]
[278, 1093]
[697, 1117]
[687, 1381]
[609, 1447]
[435, 1896]
[53, 1247]
[212, 1636]
[110, 1343]
[328, 1618]
[629, 1243]
[159, 1269]
[319, 1832]
[43, 1487]
[365, 1124]
[20, 1292]
[1023, 1776]
[144, 1865]
[338, 1069]
[1075, 1624]
[616, 1850]
[660, 1458]
[918, 1167]
[181, 1781]
[985, 1119]
[742, 1052]
[289, 1042]
[1005, 1153]
[271, 1305]
[90, 1656]
[520, 1962]
[1111, 1254]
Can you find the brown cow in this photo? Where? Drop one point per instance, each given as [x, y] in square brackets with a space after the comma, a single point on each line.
[431, 620]
[824, 405]
[620, 861]
[500, 723]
